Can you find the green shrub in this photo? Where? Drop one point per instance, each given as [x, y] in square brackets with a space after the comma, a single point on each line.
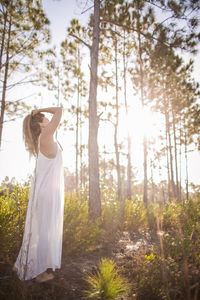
[79, 232]
[182, 230]
[106, 283]
[135, 216]
[110, 222]
[13, 206]
[171, 214]
[158, 278]
[172, 270]
[155, 217]
[165, 278]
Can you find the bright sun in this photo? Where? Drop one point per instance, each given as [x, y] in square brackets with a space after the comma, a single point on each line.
[141, 122]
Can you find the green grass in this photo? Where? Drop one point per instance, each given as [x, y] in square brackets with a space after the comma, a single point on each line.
[106, 284]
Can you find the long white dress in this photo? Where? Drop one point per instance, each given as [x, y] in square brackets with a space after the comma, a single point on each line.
[42, 240]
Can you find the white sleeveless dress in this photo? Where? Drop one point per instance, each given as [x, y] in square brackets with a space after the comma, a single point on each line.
[42, 240]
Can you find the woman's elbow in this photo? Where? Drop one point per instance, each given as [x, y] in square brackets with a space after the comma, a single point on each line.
[59, 109]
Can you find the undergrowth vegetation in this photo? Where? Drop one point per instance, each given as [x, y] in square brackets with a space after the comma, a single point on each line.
[170, 271]
[105, 283]
[79, 233]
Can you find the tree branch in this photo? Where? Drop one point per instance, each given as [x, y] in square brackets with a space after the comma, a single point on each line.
[11, 102]
[136, 30]
[80, 40]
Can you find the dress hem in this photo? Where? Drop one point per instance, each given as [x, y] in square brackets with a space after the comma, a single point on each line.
[34, 276]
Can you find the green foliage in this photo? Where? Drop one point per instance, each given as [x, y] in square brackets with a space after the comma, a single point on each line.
[135, 216]
[158, 278]
[13, 205]
[171, 214]
[165, 278]
[80, 233]
[182, 239]
[106, 284]
[171, 271]
[154, 214]
[109, 211]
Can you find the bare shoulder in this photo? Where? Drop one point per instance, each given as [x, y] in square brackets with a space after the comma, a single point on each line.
[46, 139]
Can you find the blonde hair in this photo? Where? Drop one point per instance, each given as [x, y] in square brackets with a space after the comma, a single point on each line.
[31, 132]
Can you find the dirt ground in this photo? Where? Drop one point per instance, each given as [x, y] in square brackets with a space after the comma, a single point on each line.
[69, 283]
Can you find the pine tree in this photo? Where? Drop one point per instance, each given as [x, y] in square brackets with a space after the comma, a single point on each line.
[94, 189]
[24, 27]
[72, 60]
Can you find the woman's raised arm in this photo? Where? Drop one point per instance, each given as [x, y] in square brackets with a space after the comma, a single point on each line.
[54, 122]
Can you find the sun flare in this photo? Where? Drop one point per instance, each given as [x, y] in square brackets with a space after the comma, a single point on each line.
[141, 122]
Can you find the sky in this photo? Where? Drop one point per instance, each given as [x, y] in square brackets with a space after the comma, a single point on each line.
[14, 159]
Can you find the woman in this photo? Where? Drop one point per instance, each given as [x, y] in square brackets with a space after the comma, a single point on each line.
[42, 241]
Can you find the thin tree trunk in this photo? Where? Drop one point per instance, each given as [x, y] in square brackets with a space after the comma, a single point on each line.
[180, 164]
[145, 196]
[119, 189]
[94, 189]
[3, 100]
[186, 169]
[175, 157]
[128, 133]
[152, 184]
[170, 158]
[129, 192]
[3, 38]
[81, 152]
[167, 154]
[77, 123]
[104, 163]
[58, 92]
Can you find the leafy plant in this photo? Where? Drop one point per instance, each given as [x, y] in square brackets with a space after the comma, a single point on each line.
[171, 271]
[135, 216]
[13, 204]
[106, 283]
[79, 232]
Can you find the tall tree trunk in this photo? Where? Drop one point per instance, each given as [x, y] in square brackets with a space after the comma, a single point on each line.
[145, 196]
[104, 163]
[94, 189]
[170, 157]
[128, 133]
[167, 155]
[3, 100]
[77, 124]
[186, 169]
[129, 192]
[3, 37]
[152, 183]
[119, 188]
[180, 163]
[81, 151]
[175, 157]
[58, 92]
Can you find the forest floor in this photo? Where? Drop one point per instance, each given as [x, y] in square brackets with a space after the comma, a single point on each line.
[69, 283]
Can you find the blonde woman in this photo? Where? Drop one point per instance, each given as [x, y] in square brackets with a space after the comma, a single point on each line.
[42, 240]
